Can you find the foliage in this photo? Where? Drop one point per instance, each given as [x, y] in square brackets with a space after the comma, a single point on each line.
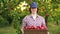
[3, 22]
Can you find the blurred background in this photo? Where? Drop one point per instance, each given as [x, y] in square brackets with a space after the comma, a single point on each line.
[13, 11]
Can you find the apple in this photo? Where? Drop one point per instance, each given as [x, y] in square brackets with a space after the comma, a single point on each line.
[38, 27]
[43, 27]
[27, 27]
[32, 27]
[46, 14]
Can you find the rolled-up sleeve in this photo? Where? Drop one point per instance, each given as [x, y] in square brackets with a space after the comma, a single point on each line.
[43, 21]
[24, 22]
[44, 24]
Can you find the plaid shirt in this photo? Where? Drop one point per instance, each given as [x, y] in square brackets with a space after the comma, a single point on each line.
[29, 21]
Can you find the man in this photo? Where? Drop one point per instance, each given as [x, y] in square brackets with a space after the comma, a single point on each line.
[33, 19]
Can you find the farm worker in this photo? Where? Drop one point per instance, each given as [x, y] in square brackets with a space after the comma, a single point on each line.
[33, 19]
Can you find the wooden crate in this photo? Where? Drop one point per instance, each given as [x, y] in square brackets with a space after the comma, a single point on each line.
[35, 31]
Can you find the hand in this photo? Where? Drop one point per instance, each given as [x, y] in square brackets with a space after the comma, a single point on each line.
[22, 32]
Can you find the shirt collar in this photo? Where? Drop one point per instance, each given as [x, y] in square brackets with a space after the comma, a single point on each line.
[32, 17]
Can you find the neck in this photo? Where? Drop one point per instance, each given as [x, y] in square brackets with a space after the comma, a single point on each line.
[34, 14]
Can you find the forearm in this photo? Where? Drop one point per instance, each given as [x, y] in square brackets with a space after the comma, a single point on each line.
[22, 30]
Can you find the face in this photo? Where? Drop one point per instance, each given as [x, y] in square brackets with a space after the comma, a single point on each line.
[33, 10]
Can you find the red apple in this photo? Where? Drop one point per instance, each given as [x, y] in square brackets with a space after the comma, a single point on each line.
[46, 14]
[43, 27]
[35, 27]
[32, 27]
[27, 27]
[38, 27]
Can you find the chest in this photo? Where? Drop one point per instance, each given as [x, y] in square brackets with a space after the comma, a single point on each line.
[32, 22]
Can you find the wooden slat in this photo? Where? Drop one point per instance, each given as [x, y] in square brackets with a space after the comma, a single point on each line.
[35, 31]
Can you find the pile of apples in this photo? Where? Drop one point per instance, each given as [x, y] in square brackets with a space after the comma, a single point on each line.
[35, 28]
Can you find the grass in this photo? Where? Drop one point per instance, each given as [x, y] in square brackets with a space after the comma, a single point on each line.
[53, 29]
[7, 30]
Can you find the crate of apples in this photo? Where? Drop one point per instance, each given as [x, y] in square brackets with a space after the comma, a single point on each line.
[35, 30]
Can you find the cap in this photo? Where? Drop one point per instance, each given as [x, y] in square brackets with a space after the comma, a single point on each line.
[33, 5]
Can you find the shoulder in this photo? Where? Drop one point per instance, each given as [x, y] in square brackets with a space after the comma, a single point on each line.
[41, 17]
[26, 17]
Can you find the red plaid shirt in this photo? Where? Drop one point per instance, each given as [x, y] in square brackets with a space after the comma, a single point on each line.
[29, 21]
